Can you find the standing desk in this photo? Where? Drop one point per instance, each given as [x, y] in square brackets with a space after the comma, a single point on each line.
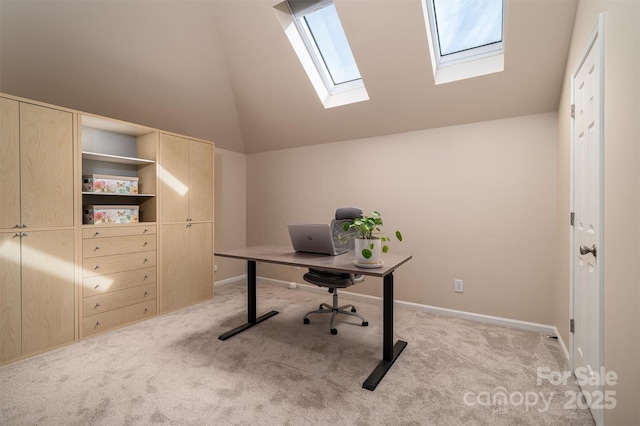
[284, 255]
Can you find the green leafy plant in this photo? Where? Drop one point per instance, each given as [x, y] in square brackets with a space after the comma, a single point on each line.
[369, 228]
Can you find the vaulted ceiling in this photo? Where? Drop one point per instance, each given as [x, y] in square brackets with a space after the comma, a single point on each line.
[224, 69]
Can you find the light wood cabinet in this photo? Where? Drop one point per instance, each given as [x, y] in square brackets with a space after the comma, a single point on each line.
[37, 240]
[187, 266]
[46, 166]
[186, 179]
[36, 167]
[10, 297]
[48, 289]
[118, 276]
[37, 291]
[186, 192]
[9, 163]
[61, 280]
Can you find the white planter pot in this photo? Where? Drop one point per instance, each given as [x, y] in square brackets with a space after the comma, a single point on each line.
[368, 251]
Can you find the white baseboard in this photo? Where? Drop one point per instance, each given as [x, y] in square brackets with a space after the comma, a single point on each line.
[507, 322]
[230, 280]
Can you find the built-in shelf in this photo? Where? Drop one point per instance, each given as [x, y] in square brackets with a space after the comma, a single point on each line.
[100, 194]
[86, 155]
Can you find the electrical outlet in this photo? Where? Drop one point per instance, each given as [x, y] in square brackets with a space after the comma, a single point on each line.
[458, 286]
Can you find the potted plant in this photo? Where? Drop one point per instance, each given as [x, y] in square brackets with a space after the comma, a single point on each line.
[369, 240]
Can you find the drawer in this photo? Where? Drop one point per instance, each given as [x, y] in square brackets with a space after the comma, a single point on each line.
[97, 231]
[117, 263]
[117, 299]
[107, 320]
[117, 245]
[118, 281]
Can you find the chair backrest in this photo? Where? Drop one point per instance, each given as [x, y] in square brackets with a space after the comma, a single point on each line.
[342, 239]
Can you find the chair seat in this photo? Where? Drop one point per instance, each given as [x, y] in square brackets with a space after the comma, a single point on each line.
[331, 279]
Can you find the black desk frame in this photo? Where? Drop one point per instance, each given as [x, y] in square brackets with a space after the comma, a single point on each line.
[390, 351]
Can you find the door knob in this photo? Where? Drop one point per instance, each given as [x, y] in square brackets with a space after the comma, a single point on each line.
[586, 250]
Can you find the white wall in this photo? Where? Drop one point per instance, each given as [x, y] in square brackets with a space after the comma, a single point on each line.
[230, 210]
[474, 202]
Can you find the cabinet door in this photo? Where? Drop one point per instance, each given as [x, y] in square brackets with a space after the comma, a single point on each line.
[10, 306]
[46, 166]
[48, 309]
[174, 178]
[200, 181]
[201, 262]
[9, 163]
[175, 267]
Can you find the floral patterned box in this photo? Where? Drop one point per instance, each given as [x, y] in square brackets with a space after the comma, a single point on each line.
[110, 184]
[97, 214]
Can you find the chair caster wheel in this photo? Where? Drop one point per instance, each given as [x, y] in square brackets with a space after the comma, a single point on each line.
[353, 310]
[306, 321]
[334, 331]
[365, 323]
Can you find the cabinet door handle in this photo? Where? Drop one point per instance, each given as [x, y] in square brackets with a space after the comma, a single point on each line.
[24, 225]
[17, 235]
[24, 234]
[17, 226]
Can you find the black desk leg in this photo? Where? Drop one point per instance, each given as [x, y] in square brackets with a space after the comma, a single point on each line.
[251, 304]
[390, 352]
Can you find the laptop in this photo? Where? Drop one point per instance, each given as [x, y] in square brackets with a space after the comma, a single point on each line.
[313, 238]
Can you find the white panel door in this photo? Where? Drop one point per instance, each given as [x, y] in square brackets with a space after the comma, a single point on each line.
[587, 231]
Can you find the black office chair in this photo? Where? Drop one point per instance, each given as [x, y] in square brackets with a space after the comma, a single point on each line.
[336, 280]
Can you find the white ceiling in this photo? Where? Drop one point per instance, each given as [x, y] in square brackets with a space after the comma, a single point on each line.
[224, 70]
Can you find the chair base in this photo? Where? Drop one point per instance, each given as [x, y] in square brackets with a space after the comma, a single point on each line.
[335, 310]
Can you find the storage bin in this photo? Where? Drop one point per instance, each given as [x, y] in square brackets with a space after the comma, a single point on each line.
[110, 184]
[97, 214]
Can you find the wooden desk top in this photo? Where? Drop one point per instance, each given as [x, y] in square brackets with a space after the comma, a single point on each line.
[285, 255]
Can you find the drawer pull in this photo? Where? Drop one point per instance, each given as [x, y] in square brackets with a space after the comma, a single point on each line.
[146, 310]
[97, 267]
[97, 248]
[17, 226]
[145, 231]
[17, 235]
[98, 323]
[145, 260]
[146, 277]
[96, 287]
[97, 305]
[24, 225]
[145, 244]
[96, 234]
[146, 293]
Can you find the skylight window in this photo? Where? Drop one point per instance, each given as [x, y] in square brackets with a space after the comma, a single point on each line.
[327, 36]
[316, 34]
[465, 37]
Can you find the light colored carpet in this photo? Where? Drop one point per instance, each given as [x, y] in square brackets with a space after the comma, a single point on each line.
[172, 369]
